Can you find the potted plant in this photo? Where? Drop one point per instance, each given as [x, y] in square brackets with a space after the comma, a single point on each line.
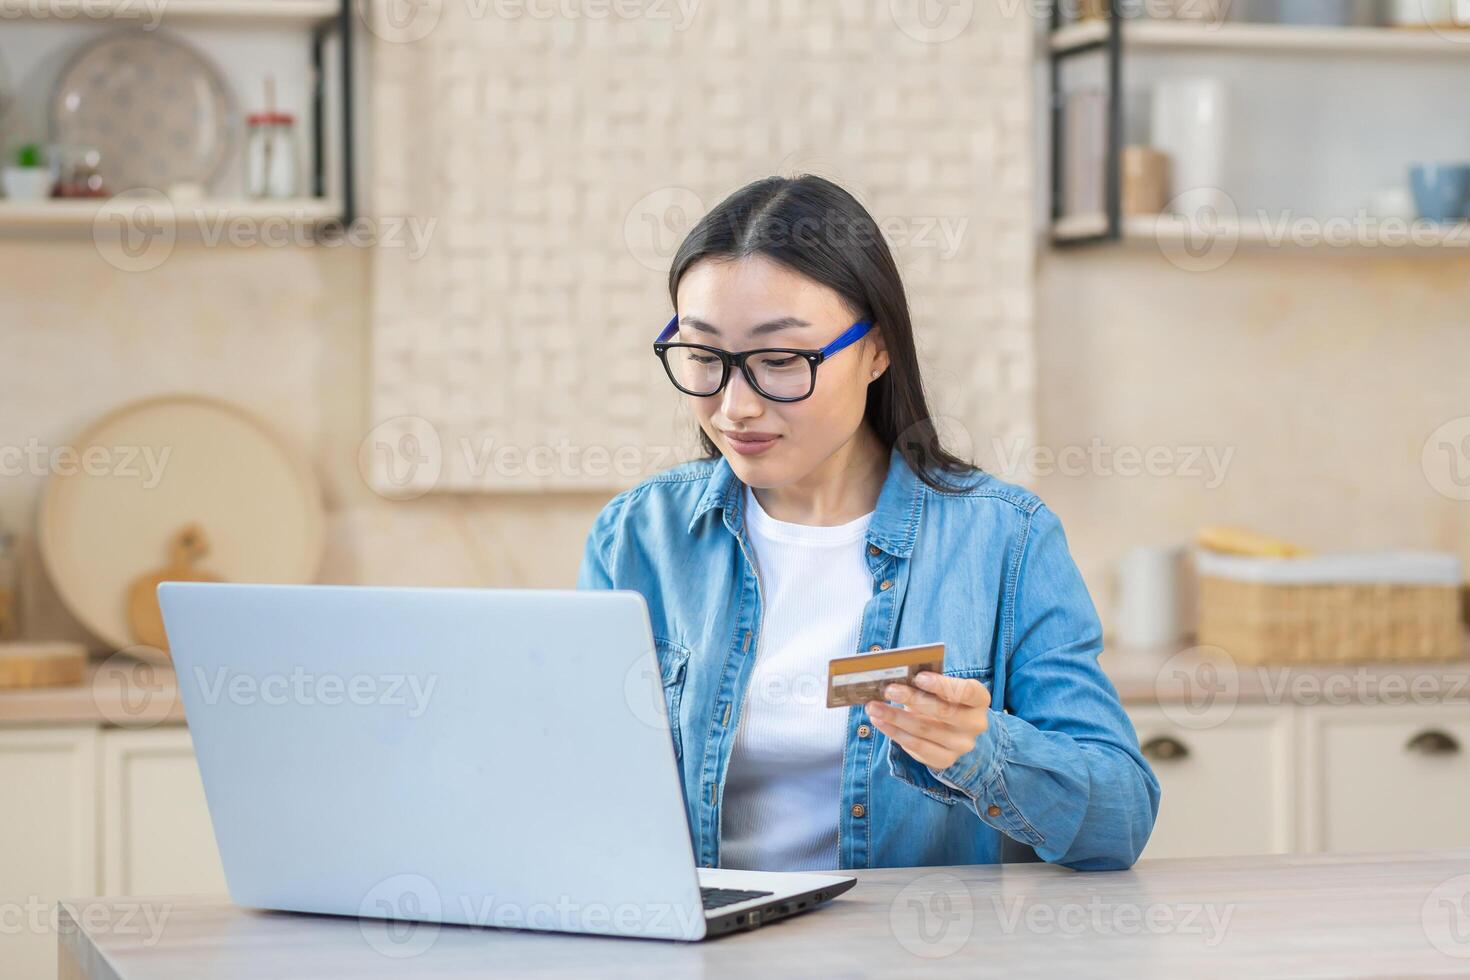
[28, 180]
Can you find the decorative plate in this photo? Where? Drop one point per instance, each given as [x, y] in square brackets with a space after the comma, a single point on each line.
[159, 113]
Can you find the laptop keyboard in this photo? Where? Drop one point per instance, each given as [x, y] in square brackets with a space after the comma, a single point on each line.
[717, 897]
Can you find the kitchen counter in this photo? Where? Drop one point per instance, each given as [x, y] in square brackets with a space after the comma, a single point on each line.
[1379, 914]
[118, 691]
[1185, 673]
[134, 694]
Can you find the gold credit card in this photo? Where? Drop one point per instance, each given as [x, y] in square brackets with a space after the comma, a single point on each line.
[864, 676]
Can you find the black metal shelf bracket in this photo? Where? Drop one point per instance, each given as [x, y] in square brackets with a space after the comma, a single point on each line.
[341, 24]
[1112, 48]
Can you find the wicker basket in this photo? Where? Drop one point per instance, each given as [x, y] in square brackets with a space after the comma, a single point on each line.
[1398, 606]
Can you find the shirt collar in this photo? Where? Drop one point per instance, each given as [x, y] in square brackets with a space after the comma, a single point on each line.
[895, 522]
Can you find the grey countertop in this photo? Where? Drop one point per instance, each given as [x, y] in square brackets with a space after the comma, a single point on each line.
[1296, 915]
[132, 694]
[1172, 674]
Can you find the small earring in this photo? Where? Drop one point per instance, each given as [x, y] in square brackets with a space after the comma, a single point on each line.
[876, 373]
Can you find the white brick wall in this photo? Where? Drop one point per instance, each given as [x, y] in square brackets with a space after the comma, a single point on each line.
[564, 157]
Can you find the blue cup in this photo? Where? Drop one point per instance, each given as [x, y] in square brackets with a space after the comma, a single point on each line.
[1441, 191]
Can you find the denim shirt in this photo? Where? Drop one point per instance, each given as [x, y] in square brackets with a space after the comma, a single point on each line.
[984, 570]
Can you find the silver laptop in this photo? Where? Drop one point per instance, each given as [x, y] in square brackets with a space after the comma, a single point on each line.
[472, 756]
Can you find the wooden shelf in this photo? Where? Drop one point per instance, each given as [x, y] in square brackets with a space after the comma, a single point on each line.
[1325, 234]
[61, 215]
[1267, 38]
[177, 11]
[1075, 226]
[1320, 234]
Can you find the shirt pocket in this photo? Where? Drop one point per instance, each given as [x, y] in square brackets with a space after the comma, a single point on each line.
[982, 672]
[673, 661]
[968, 661]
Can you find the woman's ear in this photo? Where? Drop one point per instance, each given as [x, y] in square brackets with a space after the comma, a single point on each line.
[880, 353]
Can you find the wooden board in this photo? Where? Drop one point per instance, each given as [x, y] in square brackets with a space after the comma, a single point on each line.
[42, 664]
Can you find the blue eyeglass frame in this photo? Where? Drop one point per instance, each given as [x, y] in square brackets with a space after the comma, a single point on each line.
[728, 359]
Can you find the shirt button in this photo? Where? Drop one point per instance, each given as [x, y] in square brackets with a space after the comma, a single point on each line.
[992, 811]
[872, 549]
[864, 731]
[876, 646]
[858, 809]
[885, 585]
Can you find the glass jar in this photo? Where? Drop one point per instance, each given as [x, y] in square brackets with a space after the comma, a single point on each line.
[271, 169]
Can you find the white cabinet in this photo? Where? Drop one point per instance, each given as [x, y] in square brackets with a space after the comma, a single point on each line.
[1226, 789]
[48, 839]
[87, 811]
[156, 834]
[1387, 778]
[1317, 777]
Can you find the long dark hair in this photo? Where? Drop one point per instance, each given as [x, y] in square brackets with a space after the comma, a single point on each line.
[814, 227]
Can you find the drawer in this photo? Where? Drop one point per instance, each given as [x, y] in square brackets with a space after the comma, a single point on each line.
[1386, 777]
[1226, 789]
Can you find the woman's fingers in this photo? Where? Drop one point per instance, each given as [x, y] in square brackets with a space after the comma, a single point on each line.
[960, 690]
[922, 701]
[929, 729]
[930, 754]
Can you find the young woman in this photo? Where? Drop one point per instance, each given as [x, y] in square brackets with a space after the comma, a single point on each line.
[827, 521]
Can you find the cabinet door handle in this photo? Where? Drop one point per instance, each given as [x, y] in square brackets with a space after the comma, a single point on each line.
[1164, 749]
[1434, 742]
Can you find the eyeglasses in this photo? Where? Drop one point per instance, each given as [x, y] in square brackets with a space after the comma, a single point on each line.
[782, 374]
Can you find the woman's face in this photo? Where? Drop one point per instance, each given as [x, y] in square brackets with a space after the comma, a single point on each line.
[740, 304]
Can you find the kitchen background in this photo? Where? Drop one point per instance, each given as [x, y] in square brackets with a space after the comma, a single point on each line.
[1168, 351]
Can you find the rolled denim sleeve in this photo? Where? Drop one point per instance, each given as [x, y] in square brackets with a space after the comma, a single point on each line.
[595, 571]
[1059, 768]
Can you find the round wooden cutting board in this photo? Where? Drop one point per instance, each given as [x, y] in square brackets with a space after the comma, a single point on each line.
[157, 469]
